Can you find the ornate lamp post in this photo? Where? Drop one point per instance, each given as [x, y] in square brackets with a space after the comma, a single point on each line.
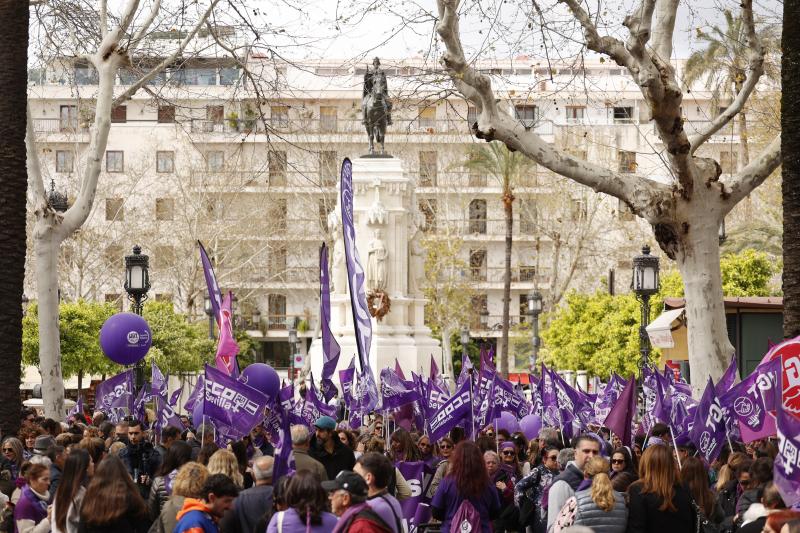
[57, 200]
[644, 284]
[535, 308]
[209, 311]
[137, 283]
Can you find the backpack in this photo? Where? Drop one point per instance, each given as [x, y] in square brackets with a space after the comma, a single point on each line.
[466, 519]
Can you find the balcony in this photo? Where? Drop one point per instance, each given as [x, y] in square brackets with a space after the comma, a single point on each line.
[491, 323]
[280, 322]
[327, 125]
[519, 274]
[56, 129]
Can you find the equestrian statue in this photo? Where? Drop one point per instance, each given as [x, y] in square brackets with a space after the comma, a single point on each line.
[375, 104]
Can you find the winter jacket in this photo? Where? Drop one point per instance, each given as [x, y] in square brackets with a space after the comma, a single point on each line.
[342, 457]
[303, 461]
[167, 519]
[249, 507]
[644, 515]
[562, 489]
[141, 460]
[127, 523]
[158, 496]
[748, 498]
[194, 517]
[590, 515]
[30, 512]
[361, 519]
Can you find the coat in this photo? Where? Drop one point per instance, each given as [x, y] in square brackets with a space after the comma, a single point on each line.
[167, 519]
[303, 461]
[590, 515]
[342, 457]
[127, 523]
[644, 515]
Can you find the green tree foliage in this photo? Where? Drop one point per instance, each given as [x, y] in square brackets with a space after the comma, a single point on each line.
[599, 333]
[178, 346]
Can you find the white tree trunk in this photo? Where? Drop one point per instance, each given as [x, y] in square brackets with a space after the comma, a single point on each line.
[46, 249]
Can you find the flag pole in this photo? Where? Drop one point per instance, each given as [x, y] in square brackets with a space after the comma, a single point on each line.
[675, 444]
[472, 403]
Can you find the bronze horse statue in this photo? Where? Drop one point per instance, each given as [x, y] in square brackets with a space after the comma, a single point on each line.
[376, 112]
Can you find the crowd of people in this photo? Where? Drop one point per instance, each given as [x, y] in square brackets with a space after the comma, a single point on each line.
[94, 476]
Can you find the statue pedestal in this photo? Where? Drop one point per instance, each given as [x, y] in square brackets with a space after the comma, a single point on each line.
[384, 202]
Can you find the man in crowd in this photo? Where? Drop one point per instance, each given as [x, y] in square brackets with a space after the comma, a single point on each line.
[377, 470]
[201, 515]
[121, 432]
[250, 505]
[566, 483]
[348, 497]
[301, 441]
[57, 456]
[328, 449]
[168, 435]
[140, 458]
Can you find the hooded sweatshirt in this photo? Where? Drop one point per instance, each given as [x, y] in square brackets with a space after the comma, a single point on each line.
[195, 517]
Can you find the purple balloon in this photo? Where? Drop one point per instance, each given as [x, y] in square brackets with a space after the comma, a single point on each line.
[125, 338]
[263, 378]
[508, 422]
[530, 425]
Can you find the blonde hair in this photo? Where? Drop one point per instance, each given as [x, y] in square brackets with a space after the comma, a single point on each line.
[190, 480]
[602, 491]
[725, 475]
[224, 462]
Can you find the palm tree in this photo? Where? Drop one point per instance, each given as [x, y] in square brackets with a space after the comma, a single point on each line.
[13, 189]
[723, 64]
[508, 168]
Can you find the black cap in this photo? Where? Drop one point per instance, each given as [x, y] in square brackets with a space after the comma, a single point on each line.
[349, 481]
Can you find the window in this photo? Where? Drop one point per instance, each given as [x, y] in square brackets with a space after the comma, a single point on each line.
[277, 263]
[279, 116]
[627, 161]
[86, 75]
[276, 309]
[527, 216]
[472, 115]
[114, 299]
[574, 114]
[195, 76]
[623, 115]
[477, 265]
[215, 113]
[281, 210]
[480, 312]
[119, 114]
[322, 213]
[277, 167]
[528, 115]
[115, 161]
[729, 161]
[477, 216]
[327, 119]
[215, 161]
[427, 118]
[228, 75]
[114, 209]
[428, 210]
[166, 114]
[428, 169]
[68, 118]
[475, 176]
[624, 212]
[165, 208]
[65, 160]
[527, 273]
[328, 168]
[577, 208]
[165, 161]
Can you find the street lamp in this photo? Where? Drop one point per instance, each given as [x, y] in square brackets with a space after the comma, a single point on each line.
[57, 200]
[137, 283]
[644, 284]
[210, 314]
[256, 317]
[535, 308]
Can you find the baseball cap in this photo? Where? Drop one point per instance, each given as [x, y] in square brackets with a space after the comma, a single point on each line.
[325, 422]
[349, 481]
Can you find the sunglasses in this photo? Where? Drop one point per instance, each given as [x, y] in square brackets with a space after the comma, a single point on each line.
[445, 446]
[424, 445]
[508, 453]
[553, 457]
[617, 461]
[8, 449]
[490, 434]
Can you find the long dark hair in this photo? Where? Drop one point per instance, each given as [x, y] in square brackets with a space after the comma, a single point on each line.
[111, 494]
[178, 454]
[695, 476]
[408, 450]
[468, 469]
[74, 476]
[658, 475]
[305, 495]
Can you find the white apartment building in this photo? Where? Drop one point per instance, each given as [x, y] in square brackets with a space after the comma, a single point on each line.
[201, 155]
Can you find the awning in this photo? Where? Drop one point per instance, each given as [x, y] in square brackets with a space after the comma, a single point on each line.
[660, 329]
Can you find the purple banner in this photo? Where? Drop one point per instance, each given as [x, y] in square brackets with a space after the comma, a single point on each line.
[77, 409]
[708, 429]
[728, 378]
[787, 464]
[453, 412]
[744, 401]
[330, 348]
[231, 402]
[346, 378]
[550, 414]
[313, 407]
[166, 415]
[505, 397]
[158, 383]
[114, 396]
[394, 392]
[194, 397]
[620, 417]
[284, 458]
[214, 294]
[414, 474]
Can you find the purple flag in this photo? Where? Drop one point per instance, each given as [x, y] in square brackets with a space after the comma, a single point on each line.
[158, 383]
[662, 407]
[454, 410]
[484, 400]
[507, 398]
[787, 464]
[414, 474]
[214, 294]
[284, 458]
[139, 405]
[394, 392]
[466, 367]
[708, 428]
[77, 409]
[232, 402]
[728, 378]
[114, 396]
[436, 377]
[366, 392]
[195, 396]
[434, 399]
[620, 417]
[346, 378]
[173, 400]
[166, 415]
[769, 383]
[330, 348]
[680, 417]
[745, 402]
[550, 415]
[313, 407]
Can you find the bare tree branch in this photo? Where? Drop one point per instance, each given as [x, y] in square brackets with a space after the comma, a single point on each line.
[34, 167]
[103, 18]
[753, 174]
[612, 47]
[664, 29]
[140, 33]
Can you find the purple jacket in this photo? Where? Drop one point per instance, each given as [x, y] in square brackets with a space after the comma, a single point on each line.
[29, 507]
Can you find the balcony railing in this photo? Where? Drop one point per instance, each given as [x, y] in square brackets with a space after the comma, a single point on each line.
[519, 274]
[57, 125]
[327, 125]
[277, 322]
[480, 322]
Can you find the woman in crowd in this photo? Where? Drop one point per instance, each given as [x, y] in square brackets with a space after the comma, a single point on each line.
[398, 486]
[347, 438]
[205, 453]
[28, 438]
[78, 470]
[760, 475]
[499, 477]
[31, 514]
[14, 453]
[529, 491]
[239, 449]
[426, 452]
[95, 447]
[188, 483]
[623, 472]
[445, 450]
[306, 502]
[695, 477]
[657, 501]
[596, 504]
[509, 461]
[178, 454]
[403, 447]
[467, 479]
[224, 462]
[531, 456]
[112, 503]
